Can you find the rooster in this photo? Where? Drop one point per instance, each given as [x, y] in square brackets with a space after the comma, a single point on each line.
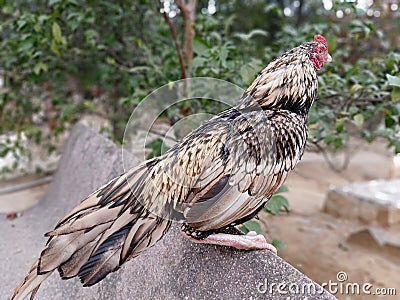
[220, 175]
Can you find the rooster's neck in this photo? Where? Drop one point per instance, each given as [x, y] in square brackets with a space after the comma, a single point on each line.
[287, 83]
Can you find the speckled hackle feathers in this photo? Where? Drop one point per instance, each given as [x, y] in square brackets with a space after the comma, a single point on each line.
[220, 175]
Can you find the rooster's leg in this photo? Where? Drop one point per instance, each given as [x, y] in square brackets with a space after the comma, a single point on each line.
[249, 241]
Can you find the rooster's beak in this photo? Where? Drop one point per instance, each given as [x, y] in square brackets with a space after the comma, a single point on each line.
[329, 58]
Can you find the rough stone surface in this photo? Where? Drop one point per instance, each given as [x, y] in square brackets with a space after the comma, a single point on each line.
[376, 201]
[173, 269]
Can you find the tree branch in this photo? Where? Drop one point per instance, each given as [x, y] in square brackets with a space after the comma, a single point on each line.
[331, 164]
[178, 48]
[188, 10]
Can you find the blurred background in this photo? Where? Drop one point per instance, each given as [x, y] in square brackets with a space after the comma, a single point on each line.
[63, 61]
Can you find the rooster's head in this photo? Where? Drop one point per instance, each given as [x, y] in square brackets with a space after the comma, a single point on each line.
[319, 54]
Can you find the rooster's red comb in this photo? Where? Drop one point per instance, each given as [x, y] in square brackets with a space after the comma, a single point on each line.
[320, 39]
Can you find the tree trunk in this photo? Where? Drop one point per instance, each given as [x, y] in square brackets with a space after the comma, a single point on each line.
[188, 10]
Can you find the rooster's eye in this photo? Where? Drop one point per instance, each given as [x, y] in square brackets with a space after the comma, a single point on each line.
[320, 51]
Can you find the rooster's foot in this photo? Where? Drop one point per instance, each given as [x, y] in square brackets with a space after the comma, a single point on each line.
[250, 241]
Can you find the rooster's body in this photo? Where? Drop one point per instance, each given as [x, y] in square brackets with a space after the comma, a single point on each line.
[220, 175]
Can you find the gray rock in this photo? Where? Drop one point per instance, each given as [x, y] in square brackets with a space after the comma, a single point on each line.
[173, 269]
[376, 201]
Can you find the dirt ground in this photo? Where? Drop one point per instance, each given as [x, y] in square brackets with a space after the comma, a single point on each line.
[316, 243]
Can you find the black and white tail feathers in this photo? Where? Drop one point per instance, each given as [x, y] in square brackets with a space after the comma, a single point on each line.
[106, 229]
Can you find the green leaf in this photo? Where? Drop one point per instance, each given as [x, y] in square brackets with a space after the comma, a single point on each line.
[357, 23]
[249, 71]
[358, 120]
[251, 34]
[337, 142]
[275, 203]
[332, 42]
[43, 18]
[54, 47]
[198, 62]
[4, 150]
[110, 60]
[67, 111]
[397, 148]
[52, 2]
[223, 55]
[393, 80]
[355, 88]
[278, 244]
[339, 125]
[56, 30]
[40, 67]
[389, 121]
[245, 73]
[395, 95]
[329, 139]
[282, 189]
[139, 69]
[158, 148]
[200, 46]
[251, 226]
[353, 110]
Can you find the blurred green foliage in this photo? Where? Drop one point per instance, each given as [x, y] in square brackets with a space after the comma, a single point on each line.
[63, 58]
[277, 202]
